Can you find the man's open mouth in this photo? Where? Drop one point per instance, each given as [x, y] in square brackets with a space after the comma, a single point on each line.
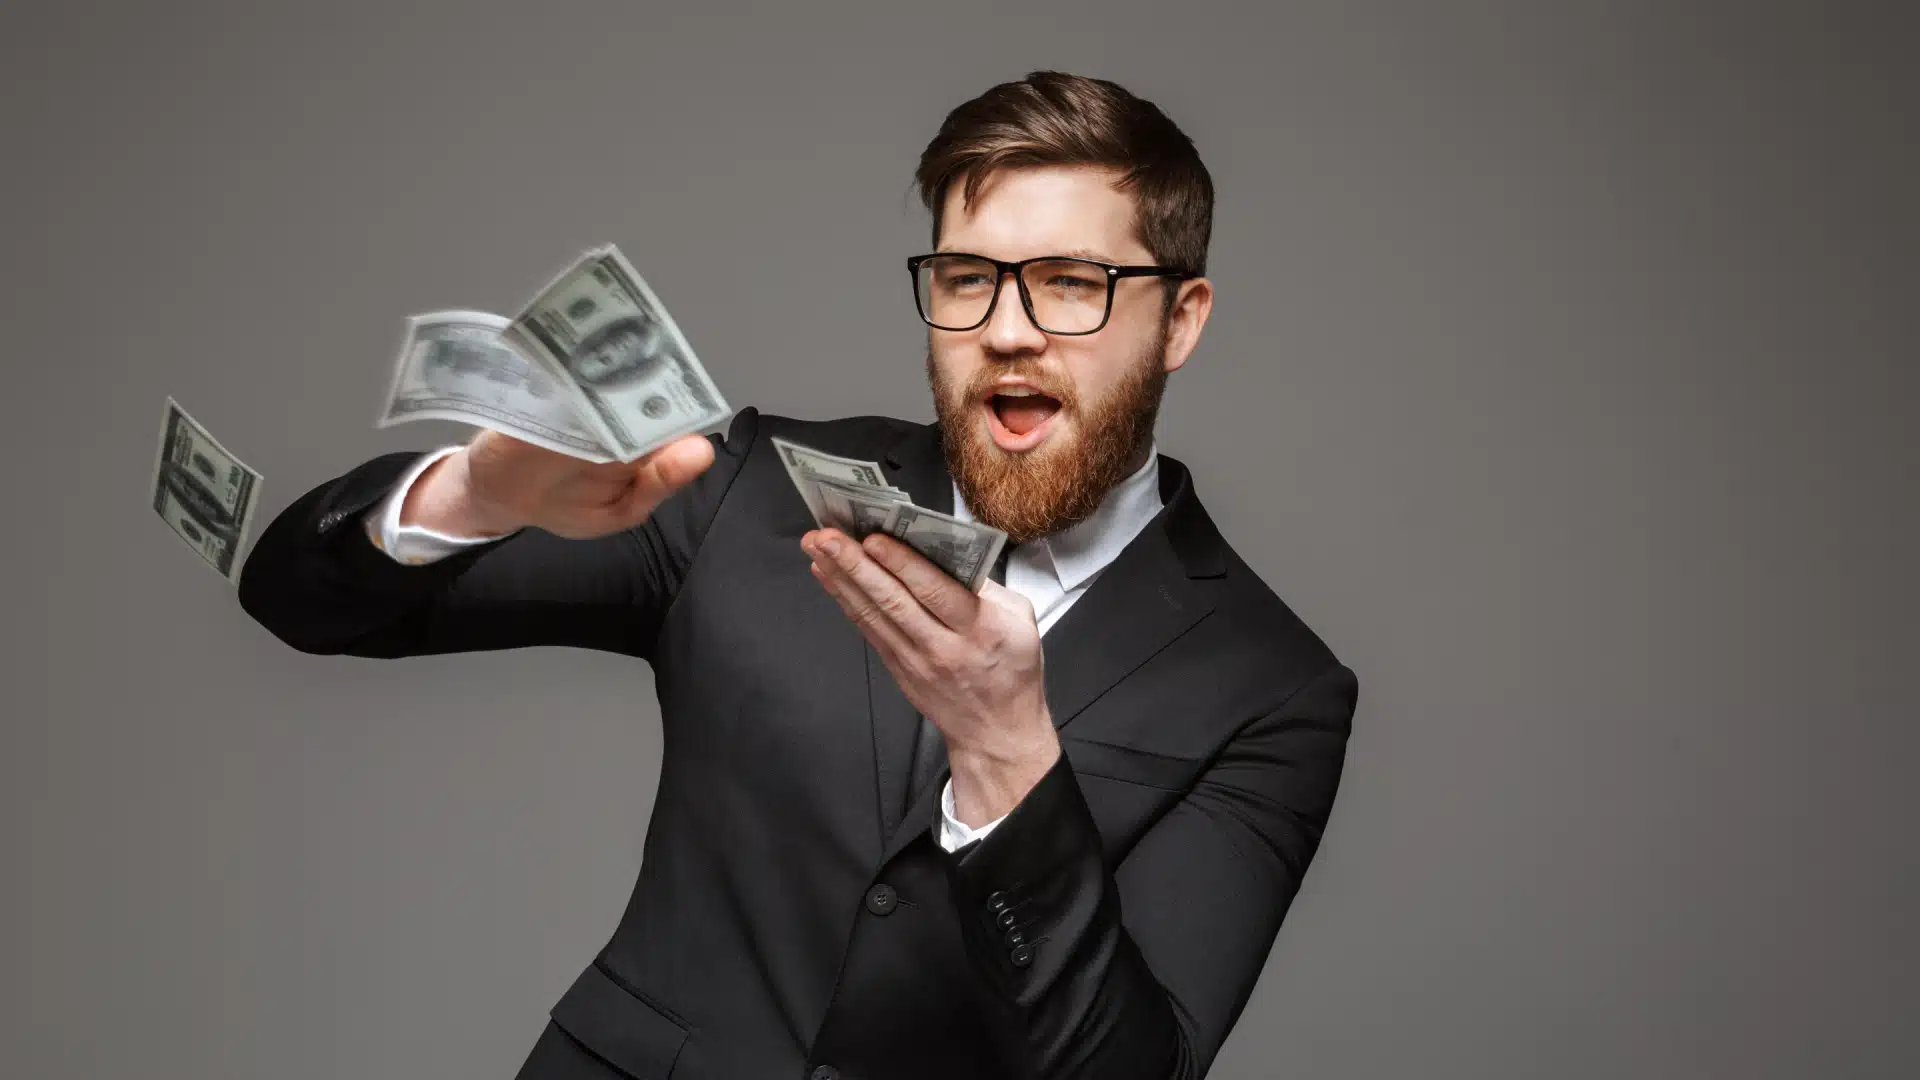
[1021, 409]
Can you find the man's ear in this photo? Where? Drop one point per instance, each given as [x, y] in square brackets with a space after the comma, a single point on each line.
[1191, 306]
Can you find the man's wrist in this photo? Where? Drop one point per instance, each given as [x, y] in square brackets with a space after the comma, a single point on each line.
[441, 500]
[987, 785]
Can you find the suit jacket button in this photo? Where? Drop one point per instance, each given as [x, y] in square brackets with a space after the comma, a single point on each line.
[1022, 956]
[881, 899]
[826, 1072]
[1016, 936]
[1005, 921]
[997, 902]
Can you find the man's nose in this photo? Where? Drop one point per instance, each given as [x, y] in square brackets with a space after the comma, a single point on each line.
[1009, 330]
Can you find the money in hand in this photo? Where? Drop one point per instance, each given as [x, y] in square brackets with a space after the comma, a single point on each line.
[810, 469]
[852, 496]
[453, 365]
[600, 330]
[205, 494]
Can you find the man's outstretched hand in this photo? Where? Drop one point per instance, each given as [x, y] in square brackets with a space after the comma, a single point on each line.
[497, 483]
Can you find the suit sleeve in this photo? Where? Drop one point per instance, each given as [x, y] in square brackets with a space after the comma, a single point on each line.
[316, 581]
[1139, 973]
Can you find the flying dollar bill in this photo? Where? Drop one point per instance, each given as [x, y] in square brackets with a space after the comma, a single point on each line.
[205, 494]
[453, 365]
[854, 497]
[600, 330]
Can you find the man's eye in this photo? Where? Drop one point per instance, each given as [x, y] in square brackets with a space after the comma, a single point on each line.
[962, 281]
[1070, 283]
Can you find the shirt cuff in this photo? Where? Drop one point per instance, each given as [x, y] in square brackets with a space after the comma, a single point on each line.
[413, 544]
[953, 833]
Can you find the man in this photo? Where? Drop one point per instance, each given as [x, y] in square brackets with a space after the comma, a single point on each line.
[904, 830]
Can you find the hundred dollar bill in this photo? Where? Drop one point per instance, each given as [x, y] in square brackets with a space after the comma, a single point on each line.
[635, 380]
[853, 496]
[205, 494]
[453, 366]
[858, 512]
[819, 463]
[805, 465]
[966, 550]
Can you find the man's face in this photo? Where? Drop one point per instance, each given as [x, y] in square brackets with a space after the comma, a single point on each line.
[1034, 463]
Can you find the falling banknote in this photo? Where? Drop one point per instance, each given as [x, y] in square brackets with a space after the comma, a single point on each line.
[205, 494]
[600, 331]
[853, 496]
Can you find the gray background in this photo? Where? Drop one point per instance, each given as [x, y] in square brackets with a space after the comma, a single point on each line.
[1562, 377]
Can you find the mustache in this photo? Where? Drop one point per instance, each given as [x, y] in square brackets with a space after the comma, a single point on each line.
[985, 382]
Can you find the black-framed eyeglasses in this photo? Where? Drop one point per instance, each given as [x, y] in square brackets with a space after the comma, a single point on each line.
[1063, 294]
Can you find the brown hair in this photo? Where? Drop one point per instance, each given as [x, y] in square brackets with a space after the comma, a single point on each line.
[1052, 118]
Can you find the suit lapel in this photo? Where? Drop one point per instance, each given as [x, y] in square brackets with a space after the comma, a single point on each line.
[1144, 600]
[917, 464]
[1139, 604]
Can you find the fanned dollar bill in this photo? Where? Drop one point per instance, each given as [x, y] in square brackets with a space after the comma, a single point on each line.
[453, 365]
[854, 497]
[203, 492]
[965, 549]
[600, 330]
[806, 465]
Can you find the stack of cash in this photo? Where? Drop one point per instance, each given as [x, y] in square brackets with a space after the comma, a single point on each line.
[853, 496]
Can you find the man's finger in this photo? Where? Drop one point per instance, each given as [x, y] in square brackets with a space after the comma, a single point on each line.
[880, 588]
[946, 599]
[866, 616]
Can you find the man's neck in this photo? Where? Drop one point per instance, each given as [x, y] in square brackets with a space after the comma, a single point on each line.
[1139, 458]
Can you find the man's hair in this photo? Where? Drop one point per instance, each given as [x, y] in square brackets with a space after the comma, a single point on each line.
[1052, 118]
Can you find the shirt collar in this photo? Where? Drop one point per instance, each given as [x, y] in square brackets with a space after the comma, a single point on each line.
[1080, 551]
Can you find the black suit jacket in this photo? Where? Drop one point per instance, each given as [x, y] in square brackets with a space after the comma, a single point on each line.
[794, 916]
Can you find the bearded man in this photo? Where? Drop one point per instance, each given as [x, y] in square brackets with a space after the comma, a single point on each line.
[903, 829]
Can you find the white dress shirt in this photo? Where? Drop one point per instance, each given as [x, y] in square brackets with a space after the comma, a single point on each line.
[1051, 572]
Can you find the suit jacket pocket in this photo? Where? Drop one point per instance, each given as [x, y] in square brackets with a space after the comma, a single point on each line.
[1127, 789]
[1115, 762]
[618, 1025]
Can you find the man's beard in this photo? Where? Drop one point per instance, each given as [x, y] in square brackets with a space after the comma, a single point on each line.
[1059, 483]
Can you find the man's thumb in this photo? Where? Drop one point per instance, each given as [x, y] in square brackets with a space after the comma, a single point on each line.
[664, 471]
[678, 462]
